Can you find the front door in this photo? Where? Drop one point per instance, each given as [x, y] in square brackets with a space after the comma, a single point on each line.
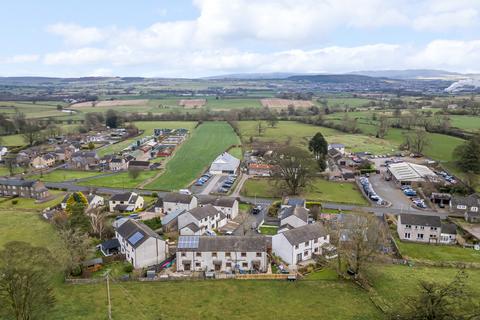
[186, 267]
[299, 257]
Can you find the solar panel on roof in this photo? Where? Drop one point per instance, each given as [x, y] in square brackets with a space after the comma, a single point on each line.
[188, 242]
[137, 236]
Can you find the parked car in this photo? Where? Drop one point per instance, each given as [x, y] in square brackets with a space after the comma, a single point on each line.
[410, 192]
[210, 233]
[185, 191]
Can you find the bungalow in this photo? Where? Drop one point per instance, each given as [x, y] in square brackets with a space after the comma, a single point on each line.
[222, 254]
[260, 169]
[118, 164]
[225, 164]
[23, 188]
[301, 244]
[43, 161]
[293, 217]
[174, 200]
[94, 201]
[197, 220]
[227, 205]
[426, 229]
[128, 202]
[140, 244]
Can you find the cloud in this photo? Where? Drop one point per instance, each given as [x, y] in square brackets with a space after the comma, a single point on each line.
[21, 58]
[76, 35]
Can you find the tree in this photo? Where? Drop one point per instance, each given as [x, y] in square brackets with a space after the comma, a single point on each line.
[134, 173]
[98, 219]
[319, 146]
[76, 198]
[382, 128]
[77, 244]
[260, 128]
[293, 167]
[440, 301]
[112, 119]
[91, 145]
[11, 163]
[358, 237]
[272, 120]
[467, 155]
[417, 141]
[31, 133]
[25, 290]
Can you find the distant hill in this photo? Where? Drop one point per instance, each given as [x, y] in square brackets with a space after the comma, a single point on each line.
[409, 74]
[337, 78]
[253, 76]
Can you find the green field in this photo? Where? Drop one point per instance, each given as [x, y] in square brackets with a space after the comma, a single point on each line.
[147, 127]
[40, 109]
[466, 123]
[268, 230]
[227, 104]
[119, 180]
[207, 142]
[320, 190]
[19, 140]
[419, 251]
[27, 204]
[64, 175]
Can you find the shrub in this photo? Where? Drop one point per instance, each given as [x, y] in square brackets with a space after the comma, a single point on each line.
[128, 268]
[14, 201]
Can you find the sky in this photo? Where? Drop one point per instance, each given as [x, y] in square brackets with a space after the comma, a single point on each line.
[180, 38]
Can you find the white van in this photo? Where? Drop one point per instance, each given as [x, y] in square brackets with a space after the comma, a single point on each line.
[185, 191]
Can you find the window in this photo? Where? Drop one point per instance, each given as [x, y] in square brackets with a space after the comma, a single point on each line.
[461, 207]
[316, 250]
[244, 254]
[259, 254]
[305, 253]
[408, 226]
[422, 227]
[198, 264]
[306, 243]
[420, 236]
[228, 264]
[433, 236]
[198, 254]
[227, 254]
[214, 254]
[245, 264]
[296, 247]
[183, 254]
[474, 209]
[433, 228]
[407, 235]
[315, 241]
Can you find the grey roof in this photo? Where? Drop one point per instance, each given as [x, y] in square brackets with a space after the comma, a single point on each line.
[202, 212]
[122, 196]
[299, 212]
[335, 154]
[130, 228]
[449, 228]
[172, 216]
[421, 220]
[224, 244]
[305, 233]
[225, 162]
[85, 154]
[192, 226]
[296, 202]
[17, 182]
[469, 201]
[177, 197]
[110, 244]
[216, 201]
[441, 196]
[137, 163]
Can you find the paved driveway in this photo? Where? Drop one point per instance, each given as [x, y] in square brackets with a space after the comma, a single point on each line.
[390, 192]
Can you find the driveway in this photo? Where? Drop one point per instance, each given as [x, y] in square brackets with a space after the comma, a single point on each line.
[390, 192]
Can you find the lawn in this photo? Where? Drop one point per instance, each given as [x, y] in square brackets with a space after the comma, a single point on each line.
[195, 155]
[419, 251]
[64, 175]
[320, 190]
[147, 127]
[228, 299]
[268, 230]
[298, 134]
[119, 180]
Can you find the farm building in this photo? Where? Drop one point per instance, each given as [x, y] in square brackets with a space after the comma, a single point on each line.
[225, 164]
[259, 169]
[408, 173]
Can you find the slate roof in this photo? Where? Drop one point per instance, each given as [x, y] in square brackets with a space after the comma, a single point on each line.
[192, 226]
[449, 228]
[299, 212]
[177, 198]
[227, 202]
[171, 216]
[128, 196]
[472, 200]
[226, 244]
[305, 233]
[17, 182]
[203, 212]
[296, 202]
[130, 227]
[225, 162]
[137, 163]
[110, 244]
[421, 220]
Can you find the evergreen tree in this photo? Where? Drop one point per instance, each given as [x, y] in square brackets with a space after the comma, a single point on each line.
[319, 146]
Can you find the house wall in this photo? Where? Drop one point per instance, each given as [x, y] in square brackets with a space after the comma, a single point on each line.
[151, 252]
[172, 206]
[289, 253]
[204, 262]
[417, 233]
[282, 248]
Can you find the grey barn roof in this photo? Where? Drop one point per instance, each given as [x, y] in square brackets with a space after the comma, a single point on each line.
[449, 228]
[226, 244]
[305, 233]
[177, 197]
[121, 196]
[227, 202]
[299, 212]
[421, 220]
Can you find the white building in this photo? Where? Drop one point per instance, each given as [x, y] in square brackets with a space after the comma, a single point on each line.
[406, 173]
[222, 253]
[426, 229]
[225, 164]
[3, 152]
[197, 220]
[293, 217]
[174, 201]
[140, 244]
[125, 202]
[300, 244]
[337, 146]
[94, 201]
[227, 205]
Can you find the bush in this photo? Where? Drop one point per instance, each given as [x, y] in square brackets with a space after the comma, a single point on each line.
[154, 194]
[14, 201]
[128, 268]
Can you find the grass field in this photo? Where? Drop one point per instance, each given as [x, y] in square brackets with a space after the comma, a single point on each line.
[64, 175]
[147, 127]
[467, 123]
[40, 109]
[298, 134]
[320, 190]
[19, 140]
[227, 104]
[26, 204]
[119, 180]
[418, 251]
[207, 141]
[268, 230]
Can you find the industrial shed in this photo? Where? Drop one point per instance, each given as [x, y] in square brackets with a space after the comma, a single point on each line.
[225, 164]
[407, 173]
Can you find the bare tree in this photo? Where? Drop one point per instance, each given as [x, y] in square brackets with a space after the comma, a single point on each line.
[31, 133]
[260, 128]
[382, 127]
[77, 244]
[98, 218]
[417, 141]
